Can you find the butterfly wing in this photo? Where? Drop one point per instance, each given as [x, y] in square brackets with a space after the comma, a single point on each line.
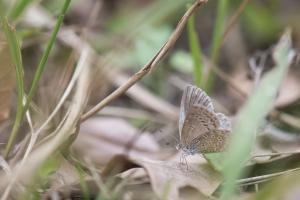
[198, 121]
[224, 122]
[211, 142]
[193, 96]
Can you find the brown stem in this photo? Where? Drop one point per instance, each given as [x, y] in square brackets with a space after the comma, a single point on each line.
[149, 66]
[234, 19]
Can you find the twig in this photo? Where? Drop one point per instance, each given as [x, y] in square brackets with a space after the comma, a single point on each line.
[234, 19]
[275, 154]
[225, 77]
[267, 176]
[286, 118]
[70, 38]
[232, 22]
[149, 66]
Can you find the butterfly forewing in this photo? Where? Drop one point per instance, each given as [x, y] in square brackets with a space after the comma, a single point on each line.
[193, 96]
[198, 121]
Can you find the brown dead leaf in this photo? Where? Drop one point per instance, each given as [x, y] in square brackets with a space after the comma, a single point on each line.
[7, 80]
[290, 89]
[191, 193]
[279, 140]
[100, 139]
[66, 174]
[167, 178]
[146, 98]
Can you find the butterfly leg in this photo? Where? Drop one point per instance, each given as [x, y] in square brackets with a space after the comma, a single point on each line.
[180, 158]
[185, 162]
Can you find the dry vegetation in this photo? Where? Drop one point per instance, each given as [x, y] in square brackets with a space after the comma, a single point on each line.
[90, 98]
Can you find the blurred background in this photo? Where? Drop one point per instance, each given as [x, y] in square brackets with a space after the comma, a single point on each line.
[226, 49]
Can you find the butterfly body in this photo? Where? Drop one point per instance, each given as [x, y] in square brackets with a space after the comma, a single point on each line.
[187, 150]
[201, 129]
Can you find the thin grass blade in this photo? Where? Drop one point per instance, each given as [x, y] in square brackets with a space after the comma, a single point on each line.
[252, 115]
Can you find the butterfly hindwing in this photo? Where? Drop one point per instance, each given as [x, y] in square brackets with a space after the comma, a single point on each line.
[210, 142]
[225, 123]
[198, 121]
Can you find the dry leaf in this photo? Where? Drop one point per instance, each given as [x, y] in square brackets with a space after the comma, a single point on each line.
[169, 180]
[288, 93]
[290, 89]
[66, 174]
[146, 98]
[168, 177]
[7, 80]
[102, 138]
[279, 140]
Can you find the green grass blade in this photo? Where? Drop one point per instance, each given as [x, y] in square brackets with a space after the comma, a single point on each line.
[45, 56]
[15, 52]
[38, 73]
[195, 49]
[18, 8]
[217, 39]
[2, 9]
[251, 116]
[82, 181]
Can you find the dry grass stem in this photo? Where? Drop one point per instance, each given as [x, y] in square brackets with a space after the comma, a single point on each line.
[34, 160]
[275, 154]
[233, 20]
[69, 37]
[148, 67]
[267, 176]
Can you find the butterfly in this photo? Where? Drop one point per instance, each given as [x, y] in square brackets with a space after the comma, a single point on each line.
[201, 129]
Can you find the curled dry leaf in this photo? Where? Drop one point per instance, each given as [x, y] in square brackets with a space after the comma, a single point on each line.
[7, 80]
[290, 89]
[167, 178]
[280, 141]
[100, 139]
[66, 174]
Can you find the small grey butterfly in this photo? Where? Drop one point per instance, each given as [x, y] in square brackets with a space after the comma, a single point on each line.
[201, 129]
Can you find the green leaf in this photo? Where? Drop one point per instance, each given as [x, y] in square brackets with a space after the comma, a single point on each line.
[36, 78]
[149, 42]
[182, 61]
[15, 52]
[18, 8]
[217, 39]
[252, 115]
[196, 51]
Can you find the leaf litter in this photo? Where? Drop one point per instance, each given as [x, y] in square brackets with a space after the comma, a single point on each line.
[127, 160]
